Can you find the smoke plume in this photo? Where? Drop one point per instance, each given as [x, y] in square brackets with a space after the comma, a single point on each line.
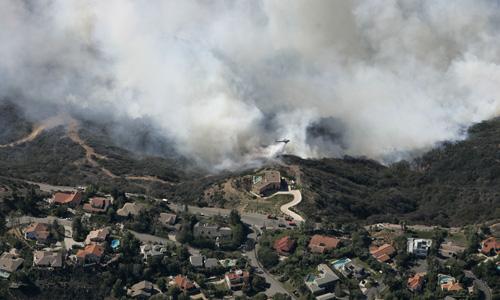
[223, 79]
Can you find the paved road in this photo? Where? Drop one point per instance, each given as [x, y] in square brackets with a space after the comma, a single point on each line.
[480, 284]
[27, 220]
[253, 219]
[275, 286]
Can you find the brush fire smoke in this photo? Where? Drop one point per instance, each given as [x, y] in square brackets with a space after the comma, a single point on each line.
[221, 78]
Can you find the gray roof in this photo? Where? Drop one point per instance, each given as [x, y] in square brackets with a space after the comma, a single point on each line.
[211, 263]
[196, 260]
[9, 262]
[47, 258]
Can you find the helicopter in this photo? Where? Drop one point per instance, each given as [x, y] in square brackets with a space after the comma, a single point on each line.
[285, 141]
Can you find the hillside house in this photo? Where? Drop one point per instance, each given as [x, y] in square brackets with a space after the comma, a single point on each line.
[416, 282]
[284, 246]
[236, 279]
[9, 263]
[449, 283]
[212, 231]
[39, 232]
[185, 285]
[97, 205]
[419, 247]
[67, 198]
[383, 253]
[49, 259]
[97, 236]
[490, 246]
[323, 283]
[129, 209]
[90, 254]
[269, 181]
[321, 243]
[142, 290]
[167, 219]
[150, 250]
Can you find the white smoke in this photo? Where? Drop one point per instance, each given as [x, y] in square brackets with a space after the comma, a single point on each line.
[222, 78]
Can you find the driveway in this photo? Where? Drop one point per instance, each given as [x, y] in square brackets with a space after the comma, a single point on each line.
[297, 198]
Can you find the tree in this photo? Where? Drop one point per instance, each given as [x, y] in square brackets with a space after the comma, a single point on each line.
[117, 289]
[129, 246]
[259, 284]
[3, 224]
[234, 217]
[268, 257]
[79, 231]
[280, 296]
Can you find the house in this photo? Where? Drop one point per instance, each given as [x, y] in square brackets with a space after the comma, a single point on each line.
[212, 231]
[196, 261]
[284, 246]
[97, 236]
[211, 263]
[142, 290]
[321, 243]
[228, 263]
[323, 283]
[129, 209]
[449, 283]
[416, 282]
[38, 232]
[351, 269]
[450, 250]
[50, 259]
[90, 254]
[269, 181]
[419, 247]
[150, 250]
[9, 263]
[185, 285]
[236, 279]
[67, 198]
[490, 246]
[382, 253]
[167, 219]
[97, 205]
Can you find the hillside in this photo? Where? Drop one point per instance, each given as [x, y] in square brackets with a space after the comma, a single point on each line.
[454, 184]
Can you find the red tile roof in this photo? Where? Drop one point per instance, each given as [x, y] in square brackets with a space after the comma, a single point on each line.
[94, 249]
[490, 245]
[285, 245]
[183, 283]
[415, 283]
[67, 197]
[321, 243]
[382, 253]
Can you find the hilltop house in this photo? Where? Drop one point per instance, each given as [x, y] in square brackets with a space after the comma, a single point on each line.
[419, 247]
[97, 236]
[38, 232]
[490, 246]
[67, 198]
[90, 254]
[236, 279]
[97, 205]
[322, 284]
[50, 259]
[321, 243]
[284, 246]
[382, 253]
[349, 269]
[9, 263]
[269, 181]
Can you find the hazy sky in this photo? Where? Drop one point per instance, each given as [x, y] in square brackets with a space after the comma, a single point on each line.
[223, 78]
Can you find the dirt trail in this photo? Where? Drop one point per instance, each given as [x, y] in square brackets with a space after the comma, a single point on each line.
[147, 178]
[89, 151]
[49, 123]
